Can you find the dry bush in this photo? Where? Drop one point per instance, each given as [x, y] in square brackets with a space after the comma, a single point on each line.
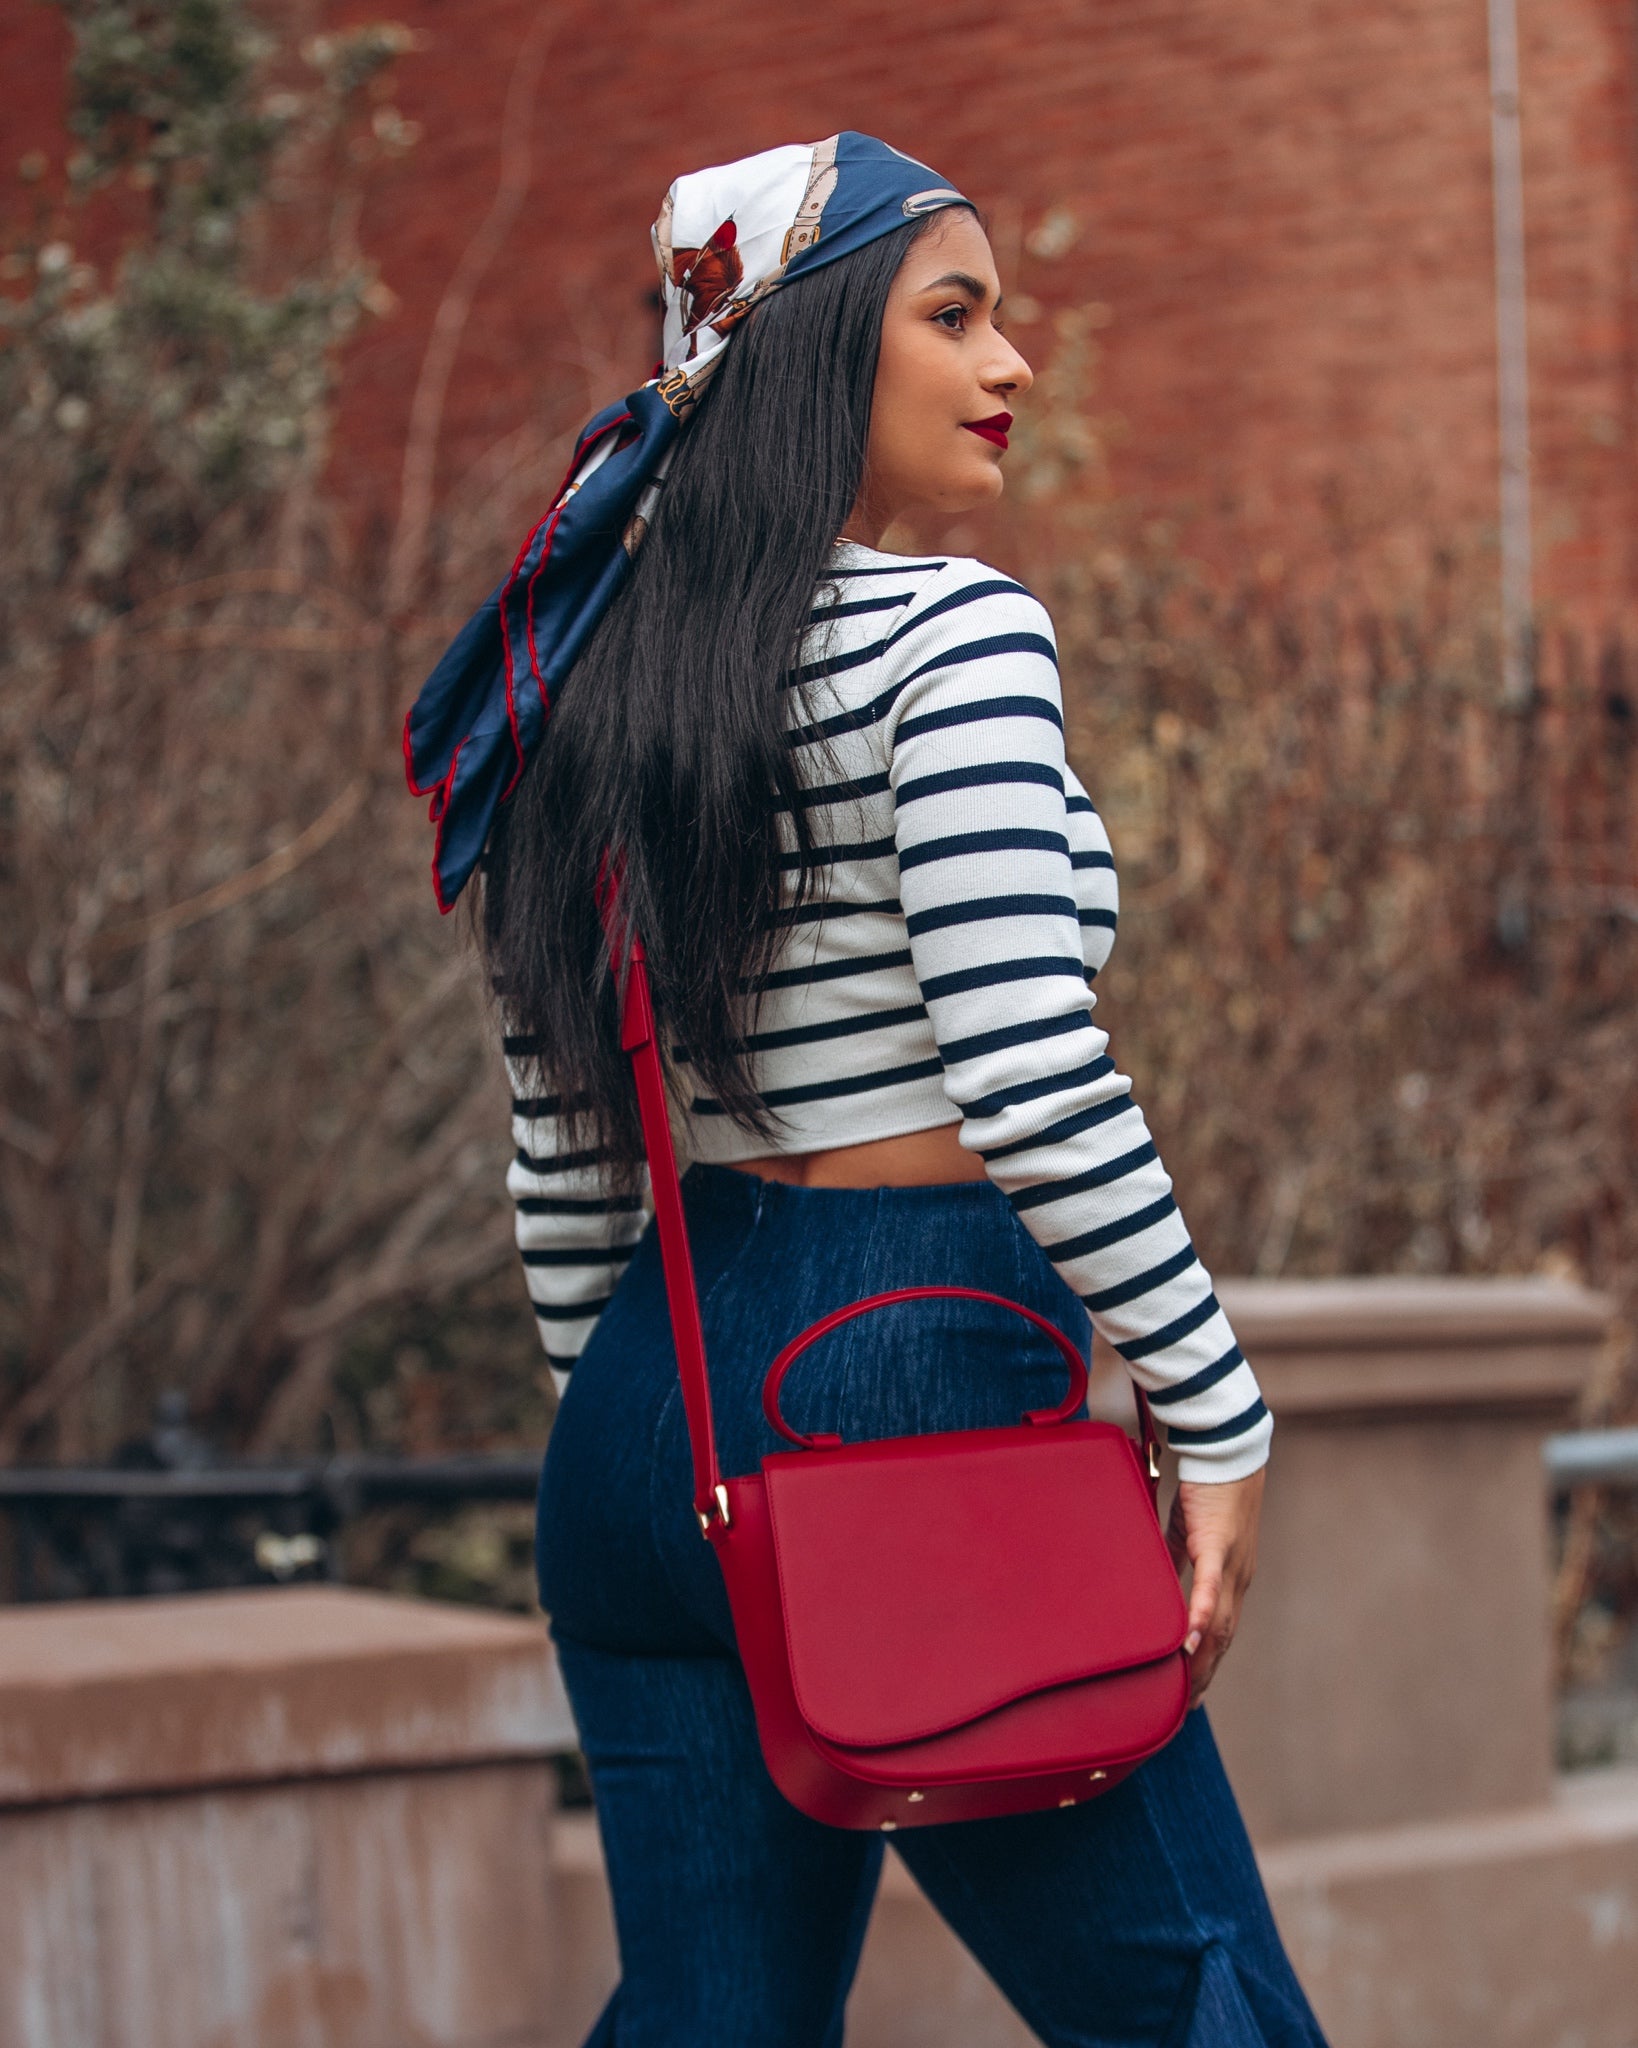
[251, 1118]
[1382, 999]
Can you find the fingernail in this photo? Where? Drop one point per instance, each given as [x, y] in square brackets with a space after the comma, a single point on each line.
[1191, 1642]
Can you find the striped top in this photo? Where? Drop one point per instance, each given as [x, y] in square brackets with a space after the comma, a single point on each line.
[939, 973]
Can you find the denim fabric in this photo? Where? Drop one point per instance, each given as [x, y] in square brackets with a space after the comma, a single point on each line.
[1135, 1921]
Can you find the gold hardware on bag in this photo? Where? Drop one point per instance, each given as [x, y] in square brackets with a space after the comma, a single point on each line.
[1096, 1775]
[888, 1826]
[720, 1492]
[1154, 1461]
[914, 1796]
[1066, 1802]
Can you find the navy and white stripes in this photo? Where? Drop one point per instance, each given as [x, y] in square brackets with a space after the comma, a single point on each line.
[966, 898]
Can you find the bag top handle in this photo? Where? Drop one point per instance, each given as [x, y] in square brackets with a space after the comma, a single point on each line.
[1060, 1411]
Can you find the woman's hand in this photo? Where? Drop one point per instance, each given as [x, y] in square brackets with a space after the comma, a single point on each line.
[1213, 1526]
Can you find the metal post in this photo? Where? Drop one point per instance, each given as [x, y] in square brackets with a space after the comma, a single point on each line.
[1512, 370]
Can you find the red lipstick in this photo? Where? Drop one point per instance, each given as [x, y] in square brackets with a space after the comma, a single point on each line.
[993, 429]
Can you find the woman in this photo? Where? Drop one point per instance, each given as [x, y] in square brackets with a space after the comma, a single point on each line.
[872, 895]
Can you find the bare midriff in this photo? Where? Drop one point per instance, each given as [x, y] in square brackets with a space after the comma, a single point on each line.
[917, 1159]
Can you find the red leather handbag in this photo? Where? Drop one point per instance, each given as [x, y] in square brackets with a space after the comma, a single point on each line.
[940, 1627]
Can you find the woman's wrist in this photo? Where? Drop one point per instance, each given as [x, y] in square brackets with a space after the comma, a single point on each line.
[1218, 1464]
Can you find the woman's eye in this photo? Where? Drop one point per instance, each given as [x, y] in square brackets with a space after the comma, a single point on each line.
[956, 313]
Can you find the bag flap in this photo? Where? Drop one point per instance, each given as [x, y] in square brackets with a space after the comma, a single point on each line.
[928, 1580]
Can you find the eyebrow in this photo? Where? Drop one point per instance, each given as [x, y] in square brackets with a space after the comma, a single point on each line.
[965, 279]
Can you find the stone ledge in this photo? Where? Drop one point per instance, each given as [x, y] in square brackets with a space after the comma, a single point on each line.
[1380, 1312]
[388, 1909]
[1587, 1809]
[1503, 1930]
[1411, 1345]
[103, 1698]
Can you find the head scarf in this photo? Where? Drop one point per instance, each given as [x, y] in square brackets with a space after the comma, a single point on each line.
[725, 238]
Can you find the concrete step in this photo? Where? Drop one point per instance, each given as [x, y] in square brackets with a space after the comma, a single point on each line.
[1511, 1930]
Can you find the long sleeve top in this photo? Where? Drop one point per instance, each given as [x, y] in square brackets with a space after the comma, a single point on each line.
[940, 973]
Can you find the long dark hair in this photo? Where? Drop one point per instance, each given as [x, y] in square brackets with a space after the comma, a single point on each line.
[668, 742]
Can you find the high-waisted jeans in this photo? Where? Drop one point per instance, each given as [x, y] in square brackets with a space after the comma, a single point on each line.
[1137, 1920]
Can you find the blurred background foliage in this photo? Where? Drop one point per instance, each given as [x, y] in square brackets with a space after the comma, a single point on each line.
[253, 1127]
[1378, 958]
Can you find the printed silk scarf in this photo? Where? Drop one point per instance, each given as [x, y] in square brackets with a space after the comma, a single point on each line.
[725, 238]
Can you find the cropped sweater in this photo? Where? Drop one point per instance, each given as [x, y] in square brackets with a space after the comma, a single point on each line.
[939, 973]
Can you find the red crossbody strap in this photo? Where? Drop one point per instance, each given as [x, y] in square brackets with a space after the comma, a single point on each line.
[637, 1037]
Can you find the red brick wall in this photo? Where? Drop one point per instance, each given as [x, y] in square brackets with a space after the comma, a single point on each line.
[33, 51]
[1286, 209]
[1580, 120]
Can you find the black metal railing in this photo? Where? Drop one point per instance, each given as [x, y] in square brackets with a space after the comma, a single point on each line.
[169, 1516]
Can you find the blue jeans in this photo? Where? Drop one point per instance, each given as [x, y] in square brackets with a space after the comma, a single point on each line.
[1135, 1921]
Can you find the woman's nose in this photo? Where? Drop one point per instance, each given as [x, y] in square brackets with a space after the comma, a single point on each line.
[1014, 374]
[1023, 375]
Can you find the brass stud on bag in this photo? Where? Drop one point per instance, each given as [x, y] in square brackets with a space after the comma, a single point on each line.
[888, 1826]
[1066, 1802]
[1096, 1775]
[915, 1796]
